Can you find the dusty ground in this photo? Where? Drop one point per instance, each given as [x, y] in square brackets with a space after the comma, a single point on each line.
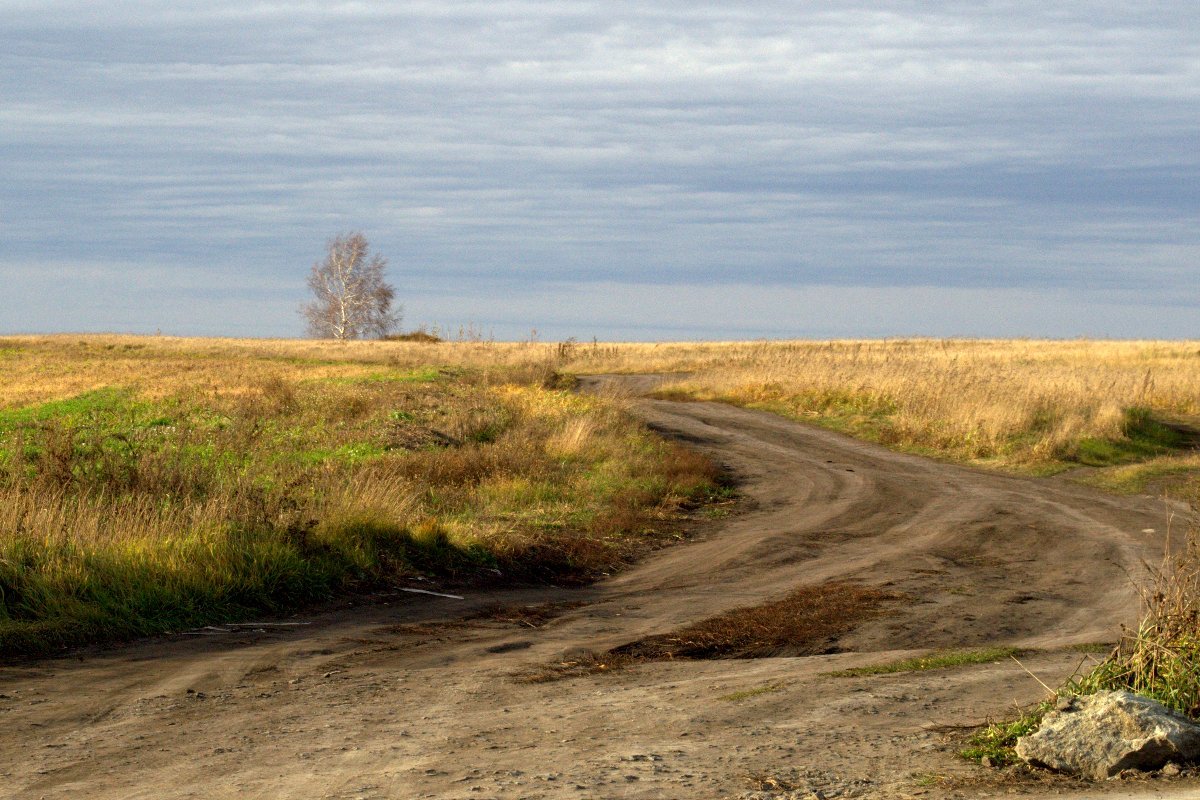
[364, 703]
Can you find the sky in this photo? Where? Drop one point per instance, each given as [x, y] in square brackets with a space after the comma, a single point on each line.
[609, 169]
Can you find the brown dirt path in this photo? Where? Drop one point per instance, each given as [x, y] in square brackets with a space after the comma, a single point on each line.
[362, 704]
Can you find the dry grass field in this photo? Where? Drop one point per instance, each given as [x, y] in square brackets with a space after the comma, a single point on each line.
[151, 484]
[1034, 406]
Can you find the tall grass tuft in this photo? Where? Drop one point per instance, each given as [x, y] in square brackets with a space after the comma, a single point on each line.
[1161, 659]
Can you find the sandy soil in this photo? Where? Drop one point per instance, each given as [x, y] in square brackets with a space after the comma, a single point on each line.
[368, 703]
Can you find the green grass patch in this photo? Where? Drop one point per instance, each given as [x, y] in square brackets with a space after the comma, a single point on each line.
[98, 403]
[941, 660]
[1165, 472]
[1144, 438]
[1094, 648]
[998, 740]
[349, 454]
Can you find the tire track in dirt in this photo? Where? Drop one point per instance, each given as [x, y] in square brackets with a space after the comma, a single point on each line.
[363, 704]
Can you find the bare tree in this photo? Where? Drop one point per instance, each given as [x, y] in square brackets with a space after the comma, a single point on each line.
[352, 299]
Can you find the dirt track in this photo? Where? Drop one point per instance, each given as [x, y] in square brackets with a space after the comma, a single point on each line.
[359, 704]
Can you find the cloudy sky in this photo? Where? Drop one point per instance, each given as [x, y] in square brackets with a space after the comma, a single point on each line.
[629, 170]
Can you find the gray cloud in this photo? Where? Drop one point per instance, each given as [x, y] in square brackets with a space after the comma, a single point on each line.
[537, 149]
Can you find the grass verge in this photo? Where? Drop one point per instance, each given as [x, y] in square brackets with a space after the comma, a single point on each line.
[1161, 475]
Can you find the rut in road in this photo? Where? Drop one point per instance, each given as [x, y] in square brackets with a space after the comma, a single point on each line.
[362, 704]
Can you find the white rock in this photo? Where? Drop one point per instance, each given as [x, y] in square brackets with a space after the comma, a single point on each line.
[1099, 735]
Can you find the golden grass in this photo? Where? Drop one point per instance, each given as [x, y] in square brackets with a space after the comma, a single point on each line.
[1028, 404]
[1035, 405]
[40, 368]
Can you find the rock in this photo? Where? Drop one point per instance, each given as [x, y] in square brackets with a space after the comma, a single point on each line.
[1097, 736]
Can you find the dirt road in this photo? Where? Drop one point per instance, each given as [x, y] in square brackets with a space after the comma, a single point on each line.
[364, 703]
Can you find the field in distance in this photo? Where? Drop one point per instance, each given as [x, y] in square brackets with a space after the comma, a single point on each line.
[1127, 412]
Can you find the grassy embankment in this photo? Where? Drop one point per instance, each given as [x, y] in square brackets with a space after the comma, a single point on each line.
[151, 485]
[1123, 409]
